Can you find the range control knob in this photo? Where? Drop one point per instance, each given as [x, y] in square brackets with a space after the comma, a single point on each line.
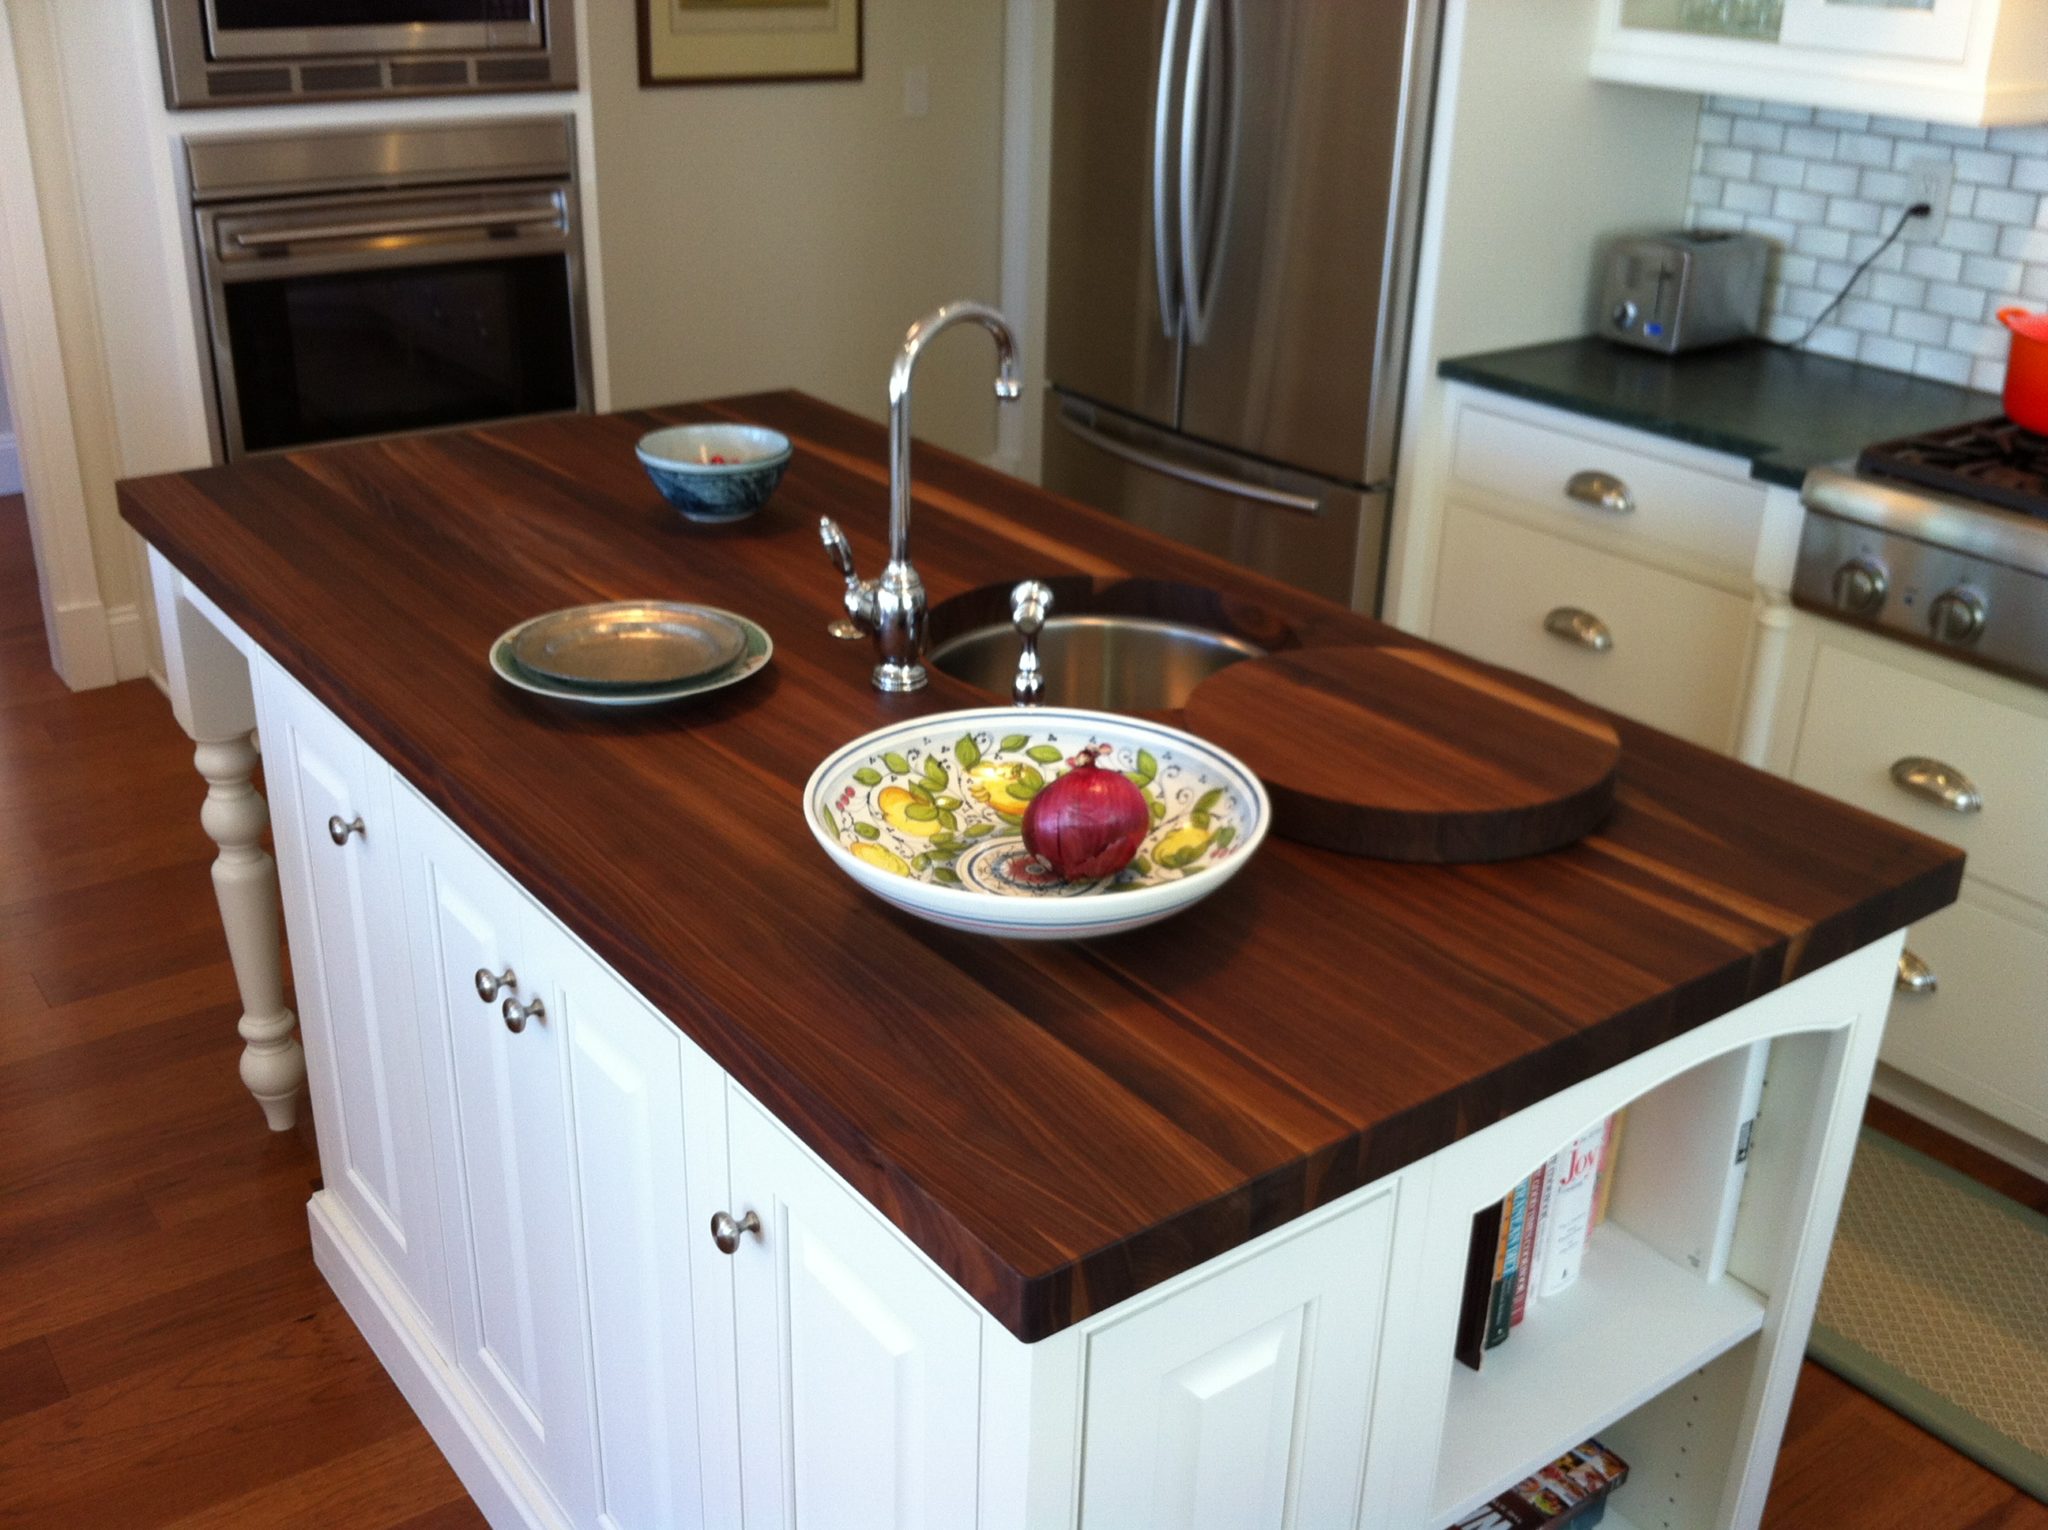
[1957, 616]
[1625, 314]
[1860, 586]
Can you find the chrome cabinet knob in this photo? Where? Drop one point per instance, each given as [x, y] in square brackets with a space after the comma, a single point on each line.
[339, 831]
[1603, 491]
[1030, 604]
[1915, 976]
[517, 1014]
[1957, 616]
[1580, 627]
[1939, 783]
[726, 1233]
[490, 984]
[1860, 586]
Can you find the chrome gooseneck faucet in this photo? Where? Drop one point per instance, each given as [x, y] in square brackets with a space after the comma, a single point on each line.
[891, 609]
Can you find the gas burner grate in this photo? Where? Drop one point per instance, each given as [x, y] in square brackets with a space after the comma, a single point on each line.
[1990, 460]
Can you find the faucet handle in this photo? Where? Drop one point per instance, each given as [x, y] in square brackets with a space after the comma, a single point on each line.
[840, 551]
[1030, 604]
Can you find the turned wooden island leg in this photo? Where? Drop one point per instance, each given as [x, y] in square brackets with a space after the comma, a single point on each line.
[245, 885]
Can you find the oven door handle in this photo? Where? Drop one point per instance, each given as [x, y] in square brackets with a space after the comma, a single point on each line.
[385, 228]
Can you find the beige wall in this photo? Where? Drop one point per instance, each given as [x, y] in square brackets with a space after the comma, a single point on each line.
[766, 236]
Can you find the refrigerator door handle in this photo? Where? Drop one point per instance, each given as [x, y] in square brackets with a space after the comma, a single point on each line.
[1196, 220]
[1279, 499]
[1162, 217]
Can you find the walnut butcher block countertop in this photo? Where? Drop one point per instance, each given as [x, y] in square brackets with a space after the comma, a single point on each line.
[1056, 1125]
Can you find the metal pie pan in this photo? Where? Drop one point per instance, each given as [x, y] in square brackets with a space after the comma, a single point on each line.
[629, 645]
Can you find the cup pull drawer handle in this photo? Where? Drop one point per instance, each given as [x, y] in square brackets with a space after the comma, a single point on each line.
[1603, 491]
[1941, 784]
[1580, 627]
[1915, 976]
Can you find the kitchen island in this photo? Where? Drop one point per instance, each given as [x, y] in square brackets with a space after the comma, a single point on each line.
[1164, 1229]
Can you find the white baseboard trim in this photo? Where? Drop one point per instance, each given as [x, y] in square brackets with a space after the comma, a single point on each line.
[10, 465]
[129, 640]
[1961, 1121]
[506, 1491]
[83, 646]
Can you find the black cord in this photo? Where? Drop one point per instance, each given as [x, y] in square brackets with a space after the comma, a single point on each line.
[1917, 210]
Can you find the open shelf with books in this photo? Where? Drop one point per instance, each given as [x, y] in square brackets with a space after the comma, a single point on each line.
[1650, 1301]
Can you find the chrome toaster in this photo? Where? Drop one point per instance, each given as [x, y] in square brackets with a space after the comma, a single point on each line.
[1678, 292]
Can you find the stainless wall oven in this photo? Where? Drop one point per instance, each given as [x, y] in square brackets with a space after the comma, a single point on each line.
[371, 282]
[228, 52]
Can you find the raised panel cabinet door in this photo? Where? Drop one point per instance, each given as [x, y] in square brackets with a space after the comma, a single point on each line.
[517, 1291]
[339, 874]
[666, 1457]
[859, 1364]
[1241, 1402]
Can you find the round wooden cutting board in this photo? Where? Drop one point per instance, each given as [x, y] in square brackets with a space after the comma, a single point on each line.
[1408, 754]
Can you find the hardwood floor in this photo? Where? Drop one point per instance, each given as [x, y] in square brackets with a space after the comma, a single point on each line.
[168, 1354]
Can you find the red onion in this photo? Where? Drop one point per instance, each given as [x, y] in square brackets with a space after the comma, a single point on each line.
[1088, 823]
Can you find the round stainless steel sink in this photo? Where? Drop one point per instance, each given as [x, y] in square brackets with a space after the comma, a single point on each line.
[1117, 662]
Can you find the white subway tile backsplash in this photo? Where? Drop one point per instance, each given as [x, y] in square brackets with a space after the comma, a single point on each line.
[1780, 170]
[1798, 206]
[1995, 204]
[1970, 236]
[1956, 302]
[1828, 187]
[1833, 180]
[2024, 244]
[1746, 197]
[1865, 149]
[1982, 271]
[1899, 291]
[1942, 364]
[1736, 164]
[1920, 327]
[1934, 263]
[1983, 167]
[1752, 133]
[1884, 351]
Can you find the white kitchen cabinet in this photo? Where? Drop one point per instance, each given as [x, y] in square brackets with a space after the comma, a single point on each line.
[1242, 1403]
[336, 831]
[1852, 704]
[1981, 62]
[502, 1115]
[1647, 644]
[859, 1364]
[648, 1107]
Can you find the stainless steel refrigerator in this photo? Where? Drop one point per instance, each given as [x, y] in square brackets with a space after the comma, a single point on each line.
[1234, 196]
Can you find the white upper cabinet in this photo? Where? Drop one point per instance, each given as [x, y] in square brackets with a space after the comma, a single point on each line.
[859, 1364]
[338, 862]
[1982, 62]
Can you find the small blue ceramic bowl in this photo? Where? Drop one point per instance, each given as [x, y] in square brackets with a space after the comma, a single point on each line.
[750, 462]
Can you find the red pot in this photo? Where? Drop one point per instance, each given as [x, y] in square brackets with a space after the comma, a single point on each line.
[2026, 370]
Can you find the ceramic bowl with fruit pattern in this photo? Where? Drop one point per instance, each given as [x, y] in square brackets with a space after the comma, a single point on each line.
[928, 815]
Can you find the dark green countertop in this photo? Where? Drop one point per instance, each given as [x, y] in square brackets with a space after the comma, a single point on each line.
[1784, 410]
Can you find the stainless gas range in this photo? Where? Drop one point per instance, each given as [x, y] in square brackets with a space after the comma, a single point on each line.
[1941, 540]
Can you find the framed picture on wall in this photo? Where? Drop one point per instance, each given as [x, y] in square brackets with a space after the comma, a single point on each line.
[736, 42]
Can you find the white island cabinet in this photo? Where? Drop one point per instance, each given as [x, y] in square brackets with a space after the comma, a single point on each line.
[621, 1294]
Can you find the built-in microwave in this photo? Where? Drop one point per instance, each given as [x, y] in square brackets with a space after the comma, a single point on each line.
[229, 52]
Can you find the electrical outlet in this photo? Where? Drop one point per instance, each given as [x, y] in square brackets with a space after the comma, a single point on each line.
[1928, 180]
